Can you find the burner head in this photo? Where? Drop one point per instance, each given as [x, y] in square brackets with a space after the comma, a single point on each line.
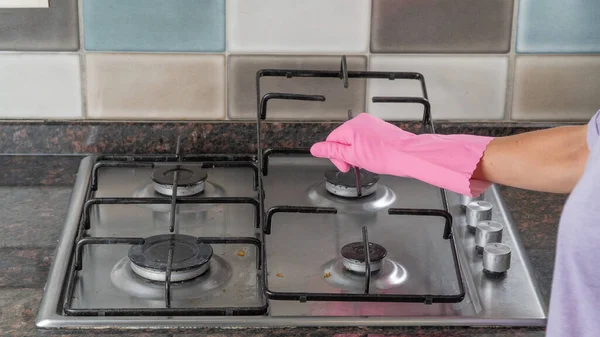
[190, 180]
[354, 256]
[343, 184]
[190, 259]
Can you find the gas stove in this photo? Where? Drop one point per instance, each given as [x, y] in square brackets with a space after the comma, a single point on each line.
[280, 238]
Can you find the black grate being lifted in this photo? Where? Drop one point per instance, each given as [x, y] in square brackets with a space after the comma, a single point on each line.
[263, 161]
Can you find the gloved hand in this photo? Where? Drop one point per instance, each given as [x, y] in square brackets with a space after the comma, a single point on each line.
[446, 161]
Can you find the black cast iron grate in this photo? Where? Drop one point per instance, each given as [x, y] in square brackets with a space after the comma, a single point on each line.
[263, 161]
[203, 161]
[366, 296]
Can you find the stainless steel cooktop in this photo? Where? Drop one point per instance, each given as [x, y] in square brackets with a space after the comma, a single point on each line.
[188, 240]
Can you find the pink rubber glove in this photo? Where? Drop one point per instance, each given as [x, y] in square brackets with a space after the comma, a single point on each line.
[446, 161]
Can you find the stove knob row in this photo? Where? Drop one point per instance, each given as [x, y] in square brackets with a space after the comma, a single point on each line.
[488, 236]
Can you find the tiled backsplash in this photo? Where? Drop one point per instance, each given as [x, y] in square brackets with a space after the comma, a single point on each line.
[197, 59]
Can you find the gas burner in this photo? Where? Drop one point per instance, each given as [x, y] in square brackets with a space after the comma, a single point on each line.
[391, 275]
[381, 199]
[343, 184]
[190, 259]
[190, 180]
[354, 256]
[218, 275]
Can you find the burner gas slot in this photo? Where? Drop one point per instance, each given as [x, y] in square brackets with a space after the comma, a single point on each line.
[190, 180]
[190, 259]
[345, 184]
[354, 257]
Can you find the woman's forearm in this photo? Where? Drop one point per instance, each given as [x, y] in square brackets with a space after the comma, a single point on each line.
[550, 160]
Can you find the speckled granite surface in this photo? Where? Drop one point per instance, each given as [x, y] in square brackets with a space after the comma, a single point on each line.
[223, 137]
[34, 194]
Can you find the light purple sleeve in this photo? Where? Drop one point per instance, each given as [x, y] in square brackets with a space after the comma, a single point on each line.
[575, 298]
[593, 130]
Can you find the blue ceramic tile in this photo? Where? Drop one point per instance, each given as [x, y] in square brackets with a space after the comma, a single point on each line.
[154, 25]
[558, 26]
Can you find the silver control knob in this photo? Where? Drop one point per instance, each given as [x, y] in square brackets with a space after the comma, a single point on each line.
[487, 232]
[478, 211]
[496, 259]
[465, 200]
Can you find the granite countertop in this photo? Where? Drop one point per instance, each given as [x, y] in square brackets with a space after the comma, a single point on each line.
[35, 193]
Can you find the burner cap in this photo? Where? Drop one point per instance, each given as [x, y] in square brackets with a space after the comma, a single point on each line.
[354, 256]
[343, 184]
[190, 180]
[190, 259]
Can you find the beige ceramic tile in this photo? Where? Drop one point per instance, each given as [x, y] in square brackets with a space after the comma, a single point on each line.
[242, 87]
[155, 86]
[556, 87]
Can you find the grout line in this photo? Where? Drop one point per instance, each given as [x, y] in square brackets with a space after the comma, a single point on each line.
[226, 84]
[82, 61]
[510, 84]
[226, 72]
[368, 56]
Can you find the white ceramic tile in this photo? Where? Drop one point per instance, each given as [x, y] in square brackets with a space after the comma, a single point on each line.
[556, 87]
[298, 26]
[40, 86]
[156, 86]
[459, 87]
